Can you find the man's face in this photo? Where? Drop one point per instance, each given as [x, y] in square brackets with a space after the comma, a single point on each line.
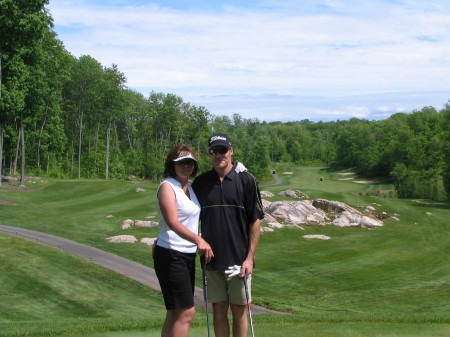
[220, 157]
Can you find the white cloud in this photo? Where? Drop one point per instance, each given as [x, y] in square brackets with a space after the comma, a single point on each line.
[290, 47]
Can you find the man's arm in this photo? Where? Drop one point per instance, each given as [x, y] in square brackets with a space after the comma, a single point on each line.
[254, 234]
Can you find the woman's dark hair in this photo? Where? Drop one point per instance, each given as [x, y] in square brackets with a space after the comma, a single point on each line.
[169, 165]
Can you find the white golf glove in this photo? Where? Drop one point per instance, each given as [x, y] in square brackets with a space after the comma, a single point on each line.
[233, 271]
[240, 167]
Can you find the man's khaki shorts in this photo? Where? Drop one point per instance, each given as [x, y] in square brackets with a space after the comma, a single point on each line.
[222, 290]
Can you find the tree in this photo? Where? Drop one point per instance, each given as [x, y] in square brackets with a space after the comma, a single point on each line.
[446, 148]
[83, 96]
[22, 24]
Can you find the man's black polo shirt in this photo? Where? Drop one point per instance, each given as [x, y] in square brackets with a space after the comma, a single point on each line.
[228, 209]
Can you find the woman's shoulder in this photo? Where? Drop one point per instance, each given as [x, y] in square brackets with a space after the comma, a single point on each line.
[170, 180]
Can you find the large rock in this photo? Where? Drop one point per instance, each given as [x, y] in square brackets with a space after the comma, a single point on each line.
[146, 223]
[348, 217]
[331, 206]
[297, 212]
[294, 194]
[148, 241]
[122, 238]
[267, 194]
[127, 224]
[317, 236]
[266, 203]
[317, 212]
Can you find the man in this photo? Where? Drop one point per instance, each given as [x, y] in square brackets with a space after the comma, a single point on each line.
[230, 218]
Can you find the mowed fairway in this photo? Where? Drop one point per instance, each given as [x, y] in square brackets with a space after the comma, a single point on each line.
[389, 281]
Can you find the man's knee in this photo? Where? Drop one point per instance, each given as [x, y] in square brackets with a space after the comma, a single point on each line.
[220, 309]
[238, 311]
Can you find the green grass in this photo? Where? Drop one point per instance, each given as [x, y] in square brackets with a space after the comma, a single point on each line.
[389, 281]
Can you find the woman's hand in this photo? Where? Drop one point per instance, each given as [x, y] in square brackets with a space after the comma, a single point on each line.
[204, 249]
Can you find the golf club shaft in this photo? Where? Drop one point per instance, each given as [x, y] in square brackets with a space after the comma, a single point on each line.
[249, 307]
[205, 295]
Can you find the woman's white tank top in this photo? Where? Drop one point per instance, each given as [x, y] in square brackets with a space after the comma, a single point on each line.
[188, 214]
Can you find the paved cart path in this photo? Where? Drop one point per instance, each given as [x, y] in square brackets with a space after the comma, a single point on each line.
[278, 180]
[128, 268]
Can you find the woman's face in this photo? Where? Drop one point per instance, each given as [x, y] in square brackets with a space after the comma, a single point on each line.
[184, 168]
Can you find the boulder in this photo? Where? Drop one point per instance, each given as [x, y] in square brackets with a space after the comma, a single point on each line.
[356, 219]
[275, 225]
[318, 212]
[127, 224]
[148, 241]
[146, 223]
[297, 212]
[267, 194]
[331, 206]
[294, 194]
[317, 236]
[268, 218]
[265, 203]
[122, 238]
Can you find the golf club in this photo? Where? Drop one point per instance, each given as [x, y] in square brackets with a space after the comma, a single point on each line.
[249, 307]
[205, 293]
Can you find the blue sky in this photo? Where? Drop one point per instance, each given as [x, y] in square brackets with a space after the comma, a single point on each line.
[270, 59]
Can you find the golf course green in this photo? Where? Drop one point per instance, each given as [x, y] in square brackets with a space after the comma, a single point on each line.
[383, 282]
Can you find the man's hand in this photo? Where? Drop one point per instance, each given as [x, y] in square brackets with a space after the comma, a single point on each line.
[240, 167]
[247, 268]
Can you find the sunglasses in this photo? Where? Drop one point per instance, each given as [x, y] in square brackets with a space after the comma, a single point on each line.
[220, 150]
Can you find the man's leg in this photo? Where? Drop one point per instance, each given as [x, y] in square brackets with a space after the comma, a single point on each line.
[221, 325]
[240, 321]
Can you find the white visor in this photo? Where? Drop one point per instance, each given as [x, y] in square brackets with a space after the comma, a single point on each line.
[185, 155]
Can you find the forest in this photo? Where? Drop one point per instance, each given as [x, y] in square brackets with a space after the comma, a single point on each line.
[73, 118]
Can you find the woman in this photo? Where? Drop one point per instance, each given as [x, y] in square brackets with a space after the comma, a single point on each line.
[178, 240]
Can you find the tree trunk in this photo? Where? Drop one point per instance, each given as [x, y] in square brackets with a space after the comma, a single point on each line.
[97, 132]
[14, 168]
[48, 162]
[108, 135]
[1, 151]
[1, 126]
[72, 159]
[79, 144]
[39, 144]
[22, 164]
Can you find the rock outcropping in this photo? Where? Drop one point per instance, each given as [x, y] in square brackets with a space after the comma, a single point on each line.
[320, 212]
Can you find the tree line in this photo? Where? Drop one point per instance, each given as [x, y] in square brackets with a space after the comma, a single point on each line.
[68, 117]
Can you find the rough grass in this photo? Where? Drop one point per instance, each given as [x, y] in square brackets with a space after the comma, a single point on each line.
[390, 281]
[42, 283]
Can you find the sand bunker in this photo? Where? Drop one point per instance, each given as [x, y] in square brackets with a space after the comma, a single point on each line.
[346, 173]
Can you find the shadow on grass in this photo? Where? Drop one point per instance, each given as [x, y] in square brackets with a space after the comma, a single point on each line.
[431, 204]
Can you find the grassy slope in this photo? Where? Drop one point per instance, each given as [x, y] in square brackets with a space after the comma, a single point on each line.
[42, 288]
[402, 268]
[398, 273]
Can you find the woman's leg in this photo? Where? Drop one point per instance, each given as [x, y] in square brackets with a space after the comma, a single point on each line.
[178, 322]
